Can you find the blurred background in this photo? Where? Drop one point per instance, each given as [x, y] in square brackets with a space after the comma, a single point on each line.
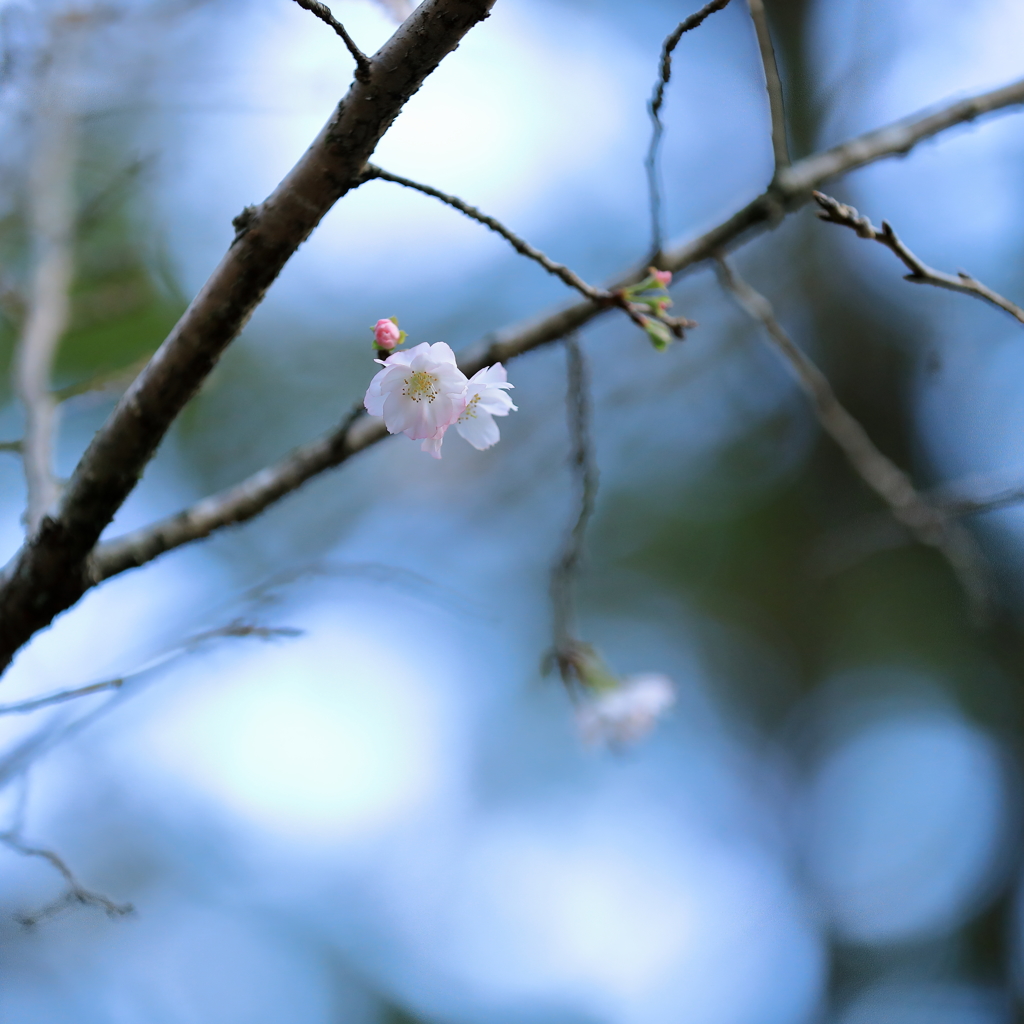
[390, 817]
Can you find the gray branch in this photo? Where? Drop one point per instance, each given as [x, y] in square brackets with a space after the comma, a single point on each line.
[359, 431]
[323, 12]
[929, 524]
[836, 212]
[773, 83]
[52, 219]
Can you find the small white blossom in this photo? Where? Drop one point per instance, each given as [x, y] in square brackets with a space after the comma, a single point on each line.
[628, 712]
[420, 393]
[486, 397]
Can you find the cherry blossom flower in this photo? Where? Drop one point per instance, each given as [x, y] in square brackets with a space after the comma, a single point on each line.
[625, 713]
[386, 334]
[420, 393]
[486, 397]
[663, 277]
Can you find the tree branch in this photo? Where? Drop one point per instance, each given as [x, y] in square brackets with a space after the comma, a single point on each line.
[359, 431]
[49, 573]
[928, 524]
[323, 12]
[836, 212]
[52, 216]
[654, 109]
[773, 83]
[75, 893]
[520, 245]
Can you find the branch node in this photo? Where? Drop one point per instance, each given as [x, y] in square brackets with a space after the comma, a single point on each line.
[364, 66]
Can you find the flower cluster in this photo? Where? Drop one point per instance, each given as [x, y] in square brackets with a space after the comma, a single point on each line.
[421, 392]
[649, 303]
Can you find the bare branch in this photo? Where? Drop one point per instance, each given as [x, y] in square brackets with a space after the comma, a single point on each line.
[359, 431]
[49, 573]
[11, 446]
[238, 628]
[929, 524]
[836, 212]
[773, 83]
[52, 217]
[75, 893]
[323, 12]
[654, 109]
[523, 247]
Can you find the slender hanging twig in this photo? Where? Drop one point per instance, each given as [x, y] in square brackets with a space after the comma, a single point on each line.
[654, 109]
[564, 572]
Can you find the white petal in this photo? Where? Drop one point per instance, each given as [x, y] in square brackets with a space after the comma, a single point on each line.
[433, 445]
[497, 403]
[442, 353]
[479, 430]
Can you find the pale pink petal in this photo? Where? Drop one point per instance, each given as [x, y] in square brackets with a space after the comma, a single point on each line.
[479, 429]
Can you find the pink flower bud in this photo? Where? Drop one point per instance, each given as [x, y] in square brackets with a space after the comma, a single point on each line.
[386, 333]
[663, 277]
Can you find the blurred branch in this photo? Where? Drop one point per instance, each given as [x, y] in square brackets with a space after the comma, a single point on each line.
[654, 109]
[50, 573]
[523, 247]
[238, 628]
[928, 524]
[358, 431]
[564, 572]
[110, 380]
[836, 212]
[75, 893]
[323, 12]
[773, 83]
[11, 446]
[52, 219]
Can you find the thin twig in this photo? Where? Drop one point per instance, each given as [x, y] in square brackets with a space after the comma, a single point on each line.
[364, 66]
[75, 893]
[929, 524]
[238, 628]
[654, 106]
[836, 212]
[52, 217]
[108, 380]
[773, 83]
[520, 245]
[566, 567]
[11, 446]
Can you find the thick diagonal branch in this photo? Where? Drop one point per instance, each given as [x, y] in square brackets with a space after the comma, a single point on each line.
[359, 431]
[49, 573]
[926, 522]
[836, 212]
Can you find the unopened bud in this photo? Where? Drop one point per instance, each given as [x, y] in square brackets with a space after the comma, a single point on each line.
[386, 334]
